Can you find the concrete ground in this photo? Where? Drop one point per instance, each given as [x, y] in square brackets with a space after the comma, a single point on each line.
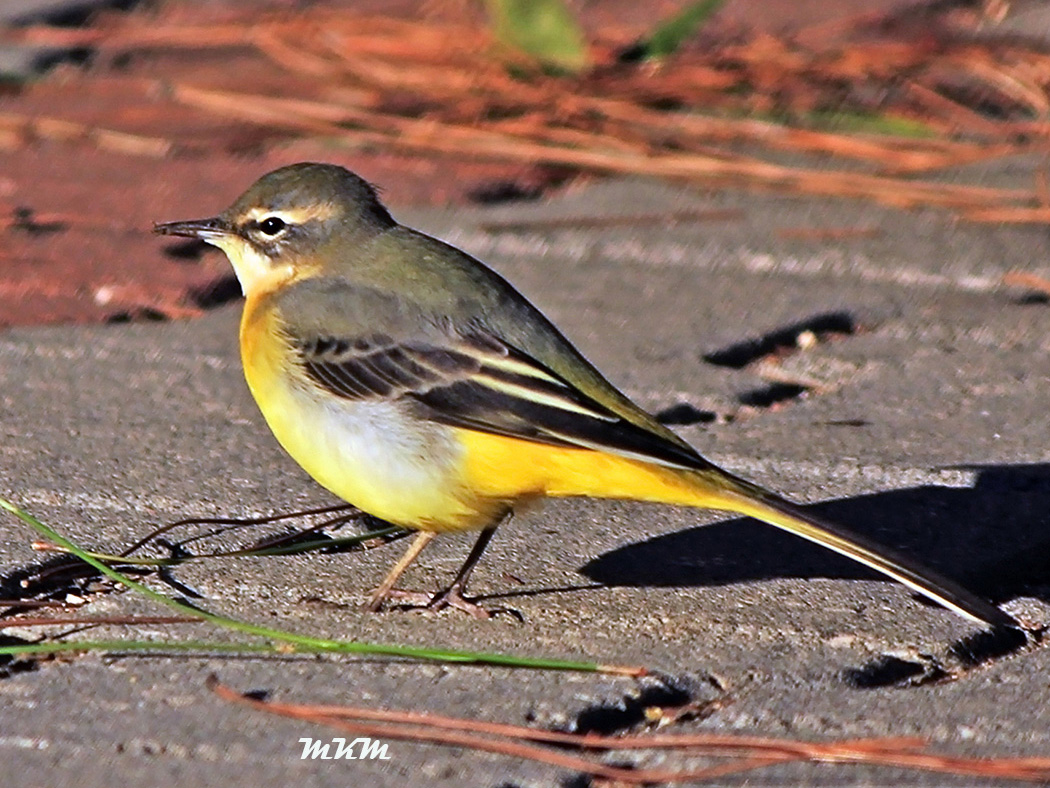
[916, 413]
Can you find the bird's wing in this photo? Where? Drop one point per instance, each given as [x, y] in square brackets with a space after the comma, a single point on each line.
[478, 381]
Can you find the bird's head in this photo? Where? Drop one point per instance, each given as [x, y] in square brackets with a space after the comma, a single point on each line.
[292, 222]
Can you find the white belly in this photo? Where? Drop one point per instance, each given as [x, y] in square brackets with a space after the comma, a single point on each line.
[372, 455]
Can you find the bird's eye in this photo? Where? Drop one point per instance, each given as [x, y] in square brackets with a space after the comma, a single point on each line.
[271, 226]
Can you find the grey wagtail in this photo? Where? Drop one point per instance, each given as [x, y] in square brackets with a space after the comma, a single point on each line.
[418, 385]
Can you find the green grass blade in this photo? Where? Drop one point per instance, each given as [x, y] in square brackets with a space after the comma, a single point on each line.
[305, 643]
[249, 552]
[319, 544]
[318, 647]
[113, 646]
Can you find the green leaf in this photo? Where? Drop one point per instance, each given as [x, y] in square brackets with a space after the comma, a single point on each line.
[666, 38]
[543, 29]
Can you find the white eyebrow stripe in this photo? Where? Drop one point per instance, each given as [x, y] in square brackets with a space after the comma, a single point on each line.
[319, 212]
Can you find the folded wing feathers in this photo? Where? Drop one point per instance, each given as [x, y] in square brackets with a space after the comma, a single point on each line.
[378, 367]
[482, 384]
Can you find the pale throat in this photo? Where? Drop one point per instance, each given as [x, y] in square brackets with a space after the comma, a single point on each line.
[255, 271]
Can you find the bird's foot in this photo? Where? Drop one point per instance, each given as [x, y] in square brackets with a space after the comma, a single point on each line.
[450, 599]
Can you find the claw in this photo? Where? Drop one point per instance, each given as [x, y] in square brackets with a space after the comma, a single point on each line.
[450, 598]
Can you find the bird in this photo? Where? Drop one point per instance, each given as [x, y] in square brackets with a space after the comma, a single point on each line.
[417, 384]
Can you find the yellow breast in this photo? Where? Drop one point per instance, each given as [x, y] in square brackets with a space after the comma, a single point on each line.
[370, 453]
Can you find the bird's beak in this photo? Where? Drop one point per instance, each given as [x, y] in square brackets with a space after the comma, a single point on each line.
[205, 229]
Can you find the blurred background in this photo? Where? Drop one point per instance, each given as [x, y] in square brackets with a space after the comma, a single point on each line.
[115, 114]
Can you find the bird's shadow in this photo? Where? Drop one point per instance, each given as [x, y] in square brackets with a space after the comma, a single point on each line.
[993, 537]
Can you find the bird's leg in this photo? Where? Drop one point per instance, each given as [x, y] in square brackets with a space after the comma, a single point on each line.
[382, 593]
[453, 595]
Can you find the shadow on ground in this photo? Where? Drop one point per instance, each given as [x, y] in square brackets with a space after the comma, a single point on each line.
[993, 537]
